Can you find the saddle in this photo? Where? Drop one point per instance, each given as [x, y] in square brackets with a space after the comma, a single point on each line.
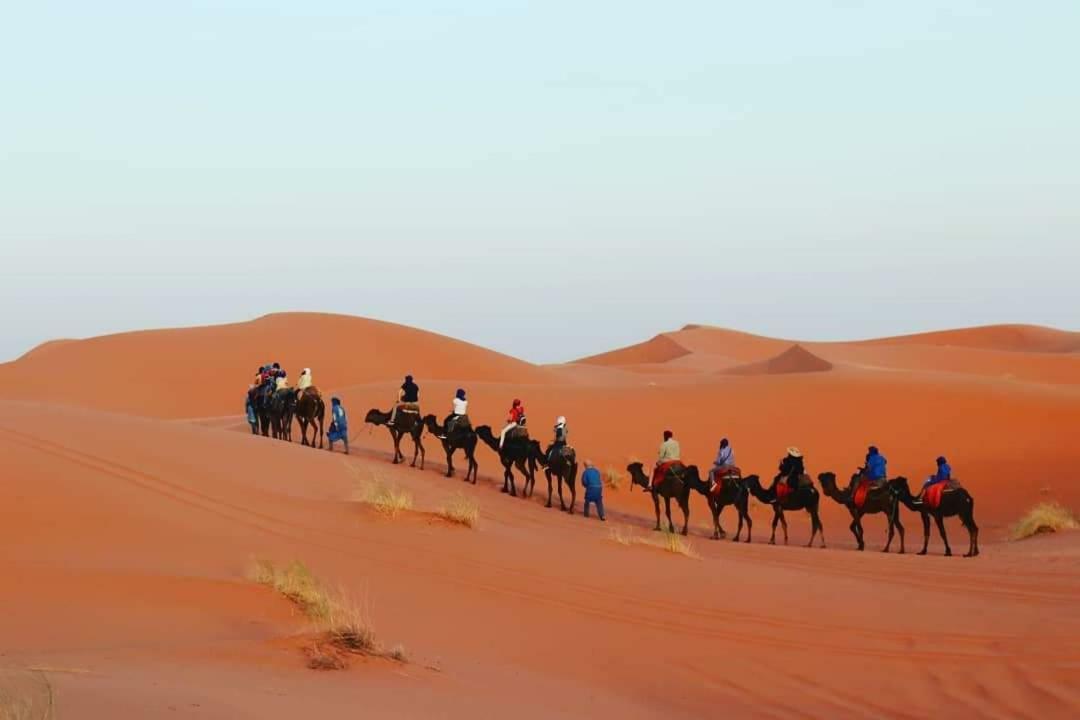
[518, 432]
[460, 424]
[783, 489]
[311, 391]
[675, 466]
[933, 495]
[412, 408]
[720, 478]
[863, 487]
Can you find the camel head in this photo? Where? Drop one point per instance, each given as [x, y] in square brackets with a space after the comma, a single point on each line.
[692, 477]
[376, 417]
[637, 475]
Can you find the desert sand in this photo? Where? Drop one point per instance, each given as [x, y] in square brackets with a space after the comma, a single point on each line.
[134, 499]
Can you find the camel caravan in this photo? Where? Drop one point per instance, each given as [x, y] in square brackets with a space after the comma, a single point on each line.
[272, 405]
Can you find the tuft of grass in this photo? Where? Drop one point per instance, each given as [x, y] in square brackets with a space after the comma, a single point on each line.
[345, 624]
[25, 695]
[387, 499]
[676, 543]
[623, 536]
[295, 582]
[461, 510]
[319, 658]
[669, 542]
[612, 478]
[1043, 518]
[398, 654]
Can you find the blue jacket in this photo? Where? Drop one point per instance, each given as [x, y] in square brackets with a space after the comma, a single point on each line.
[340, 419]
[875, 466]
[944, 472]
[594, 486]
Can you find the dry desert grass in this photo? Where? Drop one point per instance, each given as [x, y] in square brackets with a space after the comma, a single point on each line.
[668, 541]
[612, 478]
[345, 624]
[461, 510]
[25, 695]
[1043, 518]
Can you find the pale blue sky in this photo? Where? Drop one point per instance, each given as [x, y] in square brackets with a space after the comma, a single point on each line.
[548, 179]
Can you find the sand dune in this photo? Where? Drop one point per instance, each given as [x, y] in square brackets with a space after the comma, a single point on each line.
[126, 532]
[1013, 338]
[193, 372]
[796, 359]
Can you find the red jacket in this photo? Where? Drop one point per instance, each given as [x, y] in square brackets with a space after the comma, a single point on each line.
[516, 413]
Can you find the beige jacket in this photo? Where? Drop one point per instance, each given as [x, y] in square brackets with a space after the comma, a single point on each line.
[669, 450]
[304, 382]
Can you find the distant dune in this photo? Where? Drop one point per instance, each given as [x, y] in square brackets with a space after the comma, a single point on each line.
[796, 359]
[660, 349]
[203, 370]
[1012, 338]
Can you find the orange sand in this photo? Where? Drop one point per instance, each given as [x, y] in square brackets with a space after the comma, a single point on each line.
[134, 497]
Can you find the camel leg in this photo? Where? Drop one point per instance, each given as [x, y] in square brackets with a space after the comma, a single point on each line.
[684, 503]
[562, 504]
[474, 466]
[854, 527]
[968, 518]
[547, 474]
[926, 532]
[667, 512]
[573, 490]
[656, 504]
[815, 519]
[941, 531]
[783, 524]
[449, 460]
[892, 531]
[775, 519]
[718, 532]
[899, 527]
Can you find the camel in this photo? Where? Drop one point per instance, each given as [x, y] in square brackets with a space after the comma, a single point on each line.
[463, 438]
[262, 397]
[311, 409]
[675, 484]
[406, 423]
[881, 499]
[565, 468]
[282, 407]
[732, 491]
[805, 497]
[516, 452]
[953, 502]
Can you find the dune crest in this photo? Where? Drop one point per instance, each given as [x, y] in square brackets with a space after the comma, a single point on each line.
[796, 359]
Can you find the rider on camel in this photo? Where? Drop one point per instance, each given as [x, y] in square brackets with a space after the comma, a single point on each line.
[943, 474]
[303, 383]
[666, 456]
[562, 435]
[791, 468]
[874, 470]
[515, 418]
[409, 394]
[460, 409]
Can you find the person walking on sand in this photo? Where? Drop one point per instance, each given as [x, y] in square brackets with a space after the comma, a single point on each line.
[594, 490]
[339, 424]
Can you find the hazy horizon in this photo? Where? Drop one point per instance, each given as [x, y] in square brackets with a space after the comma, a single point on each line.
[547, 181]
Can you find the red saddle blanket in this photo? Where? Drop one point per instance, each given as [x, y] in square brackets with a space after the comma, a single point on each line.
[661, 471]
[932, 495]
[782, 489]
[861, 491]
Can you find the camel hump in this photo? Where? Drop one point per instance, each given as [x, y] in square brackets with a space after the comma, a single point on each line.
[312, 391]
[518, 432]
[805, 481]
